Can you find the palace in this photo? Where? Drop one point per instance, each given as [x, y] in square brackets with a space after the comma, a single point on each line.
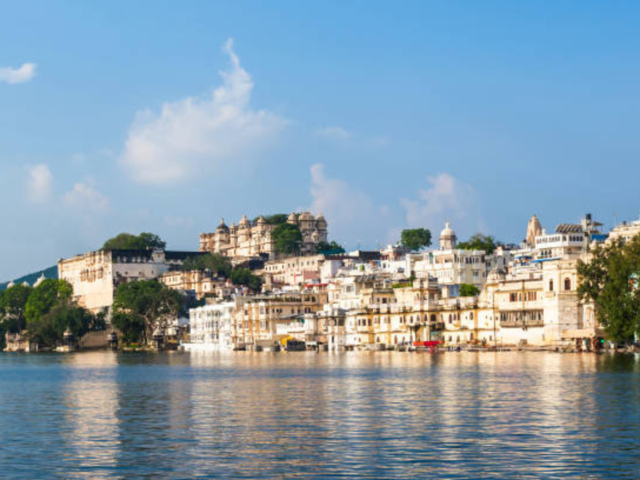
[253, 239]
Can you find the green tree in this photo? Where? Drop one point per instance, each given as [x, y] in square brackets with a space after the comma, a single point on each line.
[415, 238]
[48, 329]
[13, 303]
[610, 279]
[131, 327]
[126, 241]
[44, 297]
[286, 238]
[147, 302]
[486, 243]
[218, 264]
[243, 276]
[468, 290]
[275, 219]
[329, 247]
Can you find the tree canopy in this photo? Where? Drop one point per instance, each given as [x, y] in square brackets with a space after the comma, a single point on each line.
[468, 290]
[13, 303]
[274, 219]
[126, 241]
[286, 238]
[143, 306]
[44, 313]
[45, 296]
[486, 243]
[415, 238]
[331, 247]
[611, 280]
[243, 276]
[216, 263]
[48, 329]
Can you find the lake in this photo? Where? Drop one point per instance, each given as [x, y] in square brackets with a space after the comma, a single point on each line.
[319, 415]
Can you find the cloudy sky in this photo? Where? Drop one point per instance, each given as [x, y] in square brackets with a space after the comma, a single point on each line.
[165, 116]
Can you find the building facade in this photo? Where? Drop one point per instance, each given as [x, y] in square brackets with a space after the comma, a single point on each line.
[95, 276]
[253, 238]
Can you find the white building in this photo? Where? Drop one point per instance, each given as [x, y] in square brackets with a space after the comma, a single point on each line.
[212, 327]
[95, 276]
[625, 231]
[451, 266]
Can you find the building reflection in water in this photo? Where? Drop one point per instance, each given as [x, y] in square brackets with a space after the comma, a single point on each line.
[90, 434]
[366, 415]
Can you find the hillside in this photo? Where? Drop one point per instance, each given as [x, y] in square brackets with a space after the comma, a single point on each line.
[51, 272]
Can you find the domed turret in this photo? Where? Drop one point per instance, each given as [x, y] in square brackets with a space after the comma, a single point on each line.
[244, 222]
[223, 226]
[261, 221]
[293, 219]
[448, 238]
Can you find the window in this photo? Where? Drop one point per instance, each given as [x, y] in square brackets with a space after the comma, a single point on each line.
[567, 284]
[551, 285]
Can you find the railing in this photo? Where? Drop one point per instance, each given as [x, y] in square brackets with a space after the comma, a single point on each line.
[521, 323]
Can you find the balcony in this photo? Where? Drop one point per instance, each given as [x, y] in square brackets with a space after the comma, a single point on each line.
[521, 323]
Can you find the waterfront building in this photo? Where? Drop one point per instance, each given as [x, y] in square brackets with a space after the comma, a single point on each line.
[253, 239]
[212, 327]
[95, 276]
[270, 317]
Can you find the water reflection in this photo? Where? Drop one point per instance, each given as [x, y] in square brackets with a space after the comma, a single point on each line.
[365, 415]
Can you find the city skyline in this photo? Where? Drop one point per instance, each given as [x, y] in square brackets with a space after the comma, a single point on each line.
[380, 117]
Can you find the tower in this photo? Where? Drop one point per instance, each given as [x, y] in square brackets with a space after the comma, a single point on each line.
[448, 238]
[534, 229]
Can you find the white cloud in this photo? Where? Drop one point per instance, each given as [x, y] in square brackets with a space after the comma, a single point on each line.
[446, 198]
[352, 215]
[39, 183]
[85, 197]
[18, 75]
[333, 133]
[200, 134]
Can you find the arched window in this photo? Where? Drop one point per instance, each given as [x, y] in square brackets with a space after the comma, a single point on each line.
[433, 317]
[395, 339]
[471, 315]
[551, 285]
[567, 283]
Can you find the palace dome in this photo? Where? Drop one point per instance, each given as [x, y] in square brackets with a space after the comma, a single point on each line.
[448, 238]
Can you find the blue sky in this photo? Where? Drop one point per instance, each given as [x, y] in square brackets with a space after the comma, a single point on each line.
[146, 116]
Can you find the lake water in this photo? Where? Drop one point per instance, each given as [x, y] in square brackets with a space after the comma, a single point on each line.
[309, 415]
